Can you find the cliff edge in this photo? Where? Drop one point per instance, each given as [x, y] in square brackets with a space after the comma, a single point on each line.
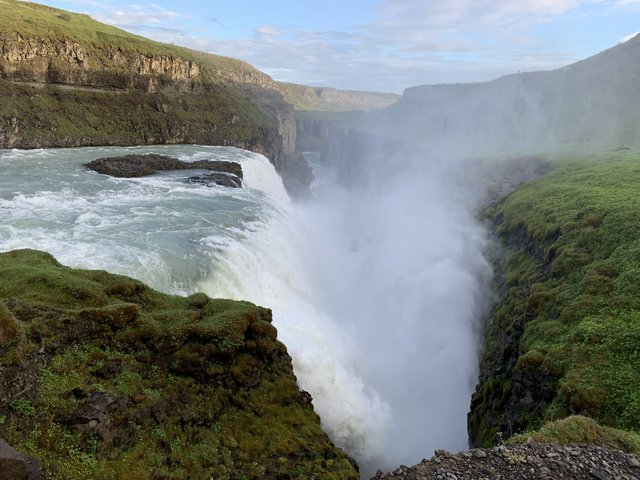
[102, 377]
[563, 336]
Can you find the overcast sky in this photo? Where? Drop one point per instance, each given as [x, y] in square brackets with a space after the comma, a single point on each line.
[380, 45]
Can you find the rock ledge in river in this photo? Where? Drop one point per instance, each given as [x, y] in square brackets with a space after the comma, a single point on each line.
[228, 174]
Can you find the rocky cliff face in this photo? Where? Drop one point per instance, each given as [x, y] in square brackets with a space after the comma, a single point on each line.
[67, 62]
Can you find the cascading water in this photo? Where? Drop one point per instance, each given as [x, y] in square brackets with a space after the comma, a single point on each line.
[374, 290]
[407, 278]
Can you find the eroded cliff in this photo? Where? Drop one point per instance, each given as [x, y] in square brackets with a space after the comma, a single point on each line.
[334, 100]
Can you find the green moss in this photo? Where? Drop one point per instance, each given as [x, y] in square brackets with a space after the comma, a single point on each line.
[125, 382]
[570, 316]
[580, 429]
[8, 326]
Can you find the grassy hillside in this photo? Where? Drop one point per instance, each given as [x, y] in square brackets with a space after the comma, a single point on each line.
[51, 116]
[565, 337]
[103, 378]
[32, 19]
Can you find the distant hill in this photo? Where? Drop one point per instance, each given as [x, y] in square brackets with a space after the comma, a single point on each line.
[324, 99]
[68, 80]
[592, 103]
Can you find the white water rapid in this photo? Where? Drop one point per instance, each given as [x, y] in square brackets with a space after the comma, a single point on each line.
[375, 290]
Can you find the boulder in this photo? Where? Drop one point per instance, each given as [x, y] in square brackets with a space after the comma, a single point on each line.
[17, 466]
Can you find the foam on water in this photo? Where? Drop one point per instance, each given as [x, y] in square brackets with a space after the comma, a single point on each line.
[150, 228]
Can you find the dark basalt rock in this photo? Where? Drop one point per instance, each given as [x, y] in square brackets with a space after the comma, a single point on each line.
[216, 178]
[228, 174]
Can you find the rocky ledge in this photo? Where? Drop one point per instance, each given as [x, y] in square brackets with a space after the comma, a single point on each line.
[228, 174]
[530, 461]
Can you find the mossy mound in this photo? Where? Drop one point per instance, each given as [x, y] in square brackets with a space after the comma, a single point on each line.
[565, 337]
[577, 429]
[102, 377]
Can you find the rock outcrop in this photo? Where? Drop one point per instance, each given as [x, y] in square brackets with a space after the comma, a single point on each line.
[216, 178]
[228, 174]
[17, 466]
[63, 61]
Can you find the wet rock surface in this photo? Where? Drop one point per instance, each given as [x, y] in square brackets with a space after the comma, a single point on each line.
[531, 461]
[216, 178]
[226, 174]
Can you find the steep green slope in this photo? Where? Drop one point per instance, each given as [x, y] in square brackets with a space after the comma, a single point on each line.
[67, 80]
[51, 116]
[565, 336]
[37, 23]
[103, 378]
[32, 19]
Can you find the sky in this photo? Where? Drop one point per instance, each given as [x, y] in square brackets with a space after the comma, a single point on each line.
[379, 45]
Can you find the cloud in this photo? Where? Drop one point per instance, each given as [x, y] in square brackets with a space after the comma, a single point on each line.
[138, 16]
[461, 13]
[409, 42]
[405, 42]
[266, 33]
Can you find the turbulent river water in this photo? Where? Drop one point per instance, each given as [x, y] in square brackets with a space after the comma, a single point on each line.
[375, 293]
